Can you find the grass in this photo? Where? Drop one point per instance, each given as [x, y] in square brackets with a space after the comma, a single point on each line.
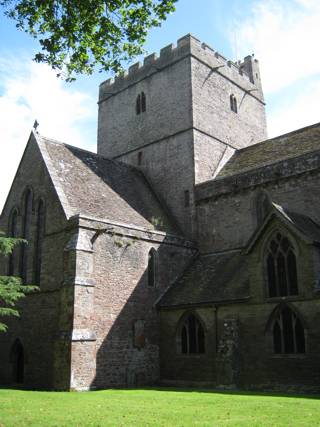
[153, 407]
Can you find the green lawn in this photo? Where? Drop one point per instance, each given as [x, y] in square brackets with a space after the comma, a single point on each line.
[155, 408]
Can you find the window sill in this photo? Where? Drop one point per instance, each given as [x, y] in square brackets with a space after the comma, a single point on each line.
[287, 298]
[289, 356]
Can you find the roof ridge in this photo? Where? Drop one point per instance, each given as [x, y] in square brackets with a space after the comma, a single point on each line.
[284, 135]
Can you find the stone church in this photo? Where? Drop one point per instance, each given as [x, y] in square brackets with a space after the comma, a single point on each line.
[186, 252]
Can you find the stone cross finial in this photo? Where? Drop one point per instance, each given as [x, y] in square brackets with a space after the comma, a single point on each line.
[35, 125]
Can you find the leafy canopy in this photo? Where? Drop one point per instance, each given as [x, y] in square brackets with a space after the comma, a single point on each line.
[11, 288]
[76, 36]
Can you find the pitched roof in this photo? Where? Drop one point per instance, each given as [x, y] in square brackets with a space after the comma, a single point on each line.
[288, 146]
[210, 279]
[301, 224]
[91, 185]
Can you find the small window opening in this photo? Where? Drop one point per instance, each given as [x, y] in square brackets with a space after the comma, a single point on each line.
[139, 158]
[38, 242]
[192, 336]
[13, 232]
[233, 103]
[26, 234]
[152, 268]
[186, 198]
[288, 333]
[138, 104]
[141, 103]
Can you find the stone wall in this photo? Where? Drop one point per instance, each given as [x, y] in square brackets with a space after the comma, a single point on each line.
[39, 325]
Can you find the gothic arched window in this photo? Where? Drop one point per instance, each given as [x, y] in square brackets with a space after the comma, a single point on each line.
[38, 241]
[152, 267]
[233, 103]
[288, 333]
[192, 336]
[13, 232]
[281, 267]
[27, 213]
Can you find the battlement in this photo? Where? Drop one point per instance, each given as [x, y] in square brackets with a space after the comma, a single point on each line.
[244, 73]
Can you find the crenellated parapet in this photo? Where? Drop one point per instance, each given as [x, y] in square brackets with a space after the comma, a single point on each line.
[243, 73]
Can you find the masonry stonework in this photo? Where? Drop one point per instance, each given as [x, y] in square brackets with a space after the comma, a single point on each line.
[185, 253]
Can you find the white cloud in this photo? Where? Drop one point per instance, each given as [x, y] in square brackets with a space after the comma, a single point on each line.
[298, 111]
[284, 36]
[30, 91]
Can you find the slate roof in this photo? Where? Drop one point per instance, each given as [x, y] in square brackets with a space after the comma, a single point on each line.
[288, 146]
[94, 186]
[210, 278]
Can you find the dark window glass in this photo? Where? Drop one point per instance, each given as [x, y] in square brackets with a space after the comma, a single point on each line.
[152, 268]
[139, 158]
[281, 268]
[192, 336]
[186, 198]
[26, 234]
[288, 333]
[17, 359]
[233, 104]
[13, 232]
[138, 104]
[38, 241]
[143, 102]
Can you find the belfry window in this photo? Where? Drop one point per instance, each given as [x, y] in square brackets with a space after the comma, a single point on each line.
[288, 333]
[233, 103]
[192, 336]
[13, 232]
[152, 267]
[38, 241]
[141, 103]
[281, 267]
[26, 234]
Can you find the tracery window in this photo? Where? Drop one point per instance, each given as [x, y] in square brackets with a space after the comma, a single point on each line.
[27, 213]
[152, 267]
[233, 103]
[40, 228]
[192, 336]
[281, 267]
[13, 232]
[288, 333]
[141, 103]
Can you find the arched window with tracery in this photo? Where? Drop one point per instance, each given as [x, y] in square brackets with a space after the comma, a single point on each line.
[192, 336]
[281, 267]
[40, 229]
[233, 103]
[288, 332]
[27, 214]
[13, 232]
[152, 267]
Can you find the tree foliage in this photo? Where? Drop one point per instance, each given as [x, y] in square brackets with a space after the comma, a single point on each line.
[11, 288]
[76, 36]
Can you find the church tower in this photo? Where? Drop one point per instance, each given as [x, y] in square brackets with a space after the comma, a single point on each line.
[179, 117]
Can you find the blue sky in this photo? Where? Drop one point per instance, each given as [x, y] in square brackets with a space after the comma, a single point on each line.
[283, 35]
